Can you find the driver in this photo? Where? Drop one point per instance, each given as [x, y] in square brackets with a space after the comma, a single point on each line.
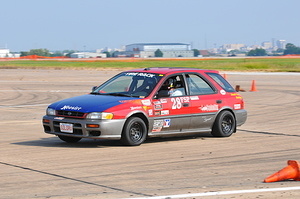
[171, 84]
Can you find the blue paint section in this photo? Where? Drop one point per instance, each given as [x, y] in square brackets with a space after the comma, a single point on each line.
[89, 103]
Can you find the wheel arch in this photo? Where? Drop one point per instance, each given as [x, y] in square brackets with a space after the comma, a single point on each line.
[226, 109]
[140, 115]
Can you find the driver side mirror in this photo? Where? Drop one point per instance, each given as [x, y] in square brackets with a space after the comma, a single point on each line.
[94, 88]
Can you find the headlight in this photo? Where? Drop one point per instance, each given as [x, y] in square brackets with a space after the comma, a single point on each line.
[50, 111]
[99, 116]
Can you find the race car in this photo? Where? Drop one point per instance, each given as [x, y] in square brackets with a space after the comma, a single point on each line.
[149, 102]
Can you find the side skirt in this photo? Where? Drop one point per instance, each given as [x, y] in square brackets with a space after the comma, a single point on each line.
[178, 133]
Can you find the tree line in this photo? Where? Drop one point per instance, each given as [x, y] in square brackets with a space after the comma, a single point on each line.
[46, 53]
[290, 49]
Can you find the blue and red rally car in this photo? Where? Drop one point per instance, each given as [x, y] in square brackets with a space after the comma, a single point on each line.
[150, 102]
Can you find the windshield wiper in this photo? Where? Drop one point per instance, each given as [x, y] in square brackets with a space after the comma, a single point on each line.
[96, 93]
[118, 94]
[113, 94]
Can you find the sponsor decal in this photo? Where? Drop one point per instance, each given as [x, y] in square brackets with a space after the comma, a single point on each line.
[206, 119]
[146, 102]
[135, 108]
[237, 96]
[194, 98]
[157, 125]
[223, 92]
[157, 113]
[150, 112]
[157, 102]
[167, 123]
[237, 106]
[73, 108]
[157, 107]
[165, 112]
[209, 107]
[59, 118]
[131, 101]
[163, 101]
[140, 74]
[125, 101]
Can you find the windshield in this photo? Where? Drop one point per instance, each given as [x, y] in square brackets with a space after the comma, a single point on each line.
[131, 84]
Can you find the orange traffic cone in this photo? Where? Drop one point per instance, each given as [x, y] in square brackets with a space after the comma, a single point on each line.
[292, 171]
[225, 76]
[253, 87]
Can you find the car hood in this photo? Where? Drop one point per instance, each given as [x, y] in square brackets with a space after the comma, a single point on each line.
[89, 103]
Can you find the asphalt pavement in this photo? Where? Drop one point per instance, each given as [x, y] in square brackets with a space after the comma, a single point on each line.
[38, 165]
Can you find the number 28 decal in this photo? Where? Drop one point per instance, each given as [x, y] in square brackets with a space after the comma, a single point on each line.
[177, 102]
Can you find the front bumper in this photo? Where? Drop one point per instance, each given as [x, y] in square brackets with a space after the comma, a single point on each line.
[108, 129]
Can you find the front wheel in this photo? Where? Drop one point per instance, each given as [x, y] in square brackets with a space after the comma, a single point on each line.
[69, 139]
[224, 125]
[134, 132]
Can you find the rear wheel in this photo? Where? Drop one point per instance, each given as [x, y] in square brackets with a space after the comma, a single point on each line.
[134, 132]
[69, 139]
[224, 125]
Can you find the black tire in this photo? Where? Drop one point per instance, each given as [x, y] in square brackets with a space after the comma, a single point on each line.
[224, 125]
[69, 139]
[134, 132]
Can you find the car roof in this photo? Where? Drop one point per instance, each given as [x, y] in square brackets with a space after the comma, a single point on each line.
[166, 70]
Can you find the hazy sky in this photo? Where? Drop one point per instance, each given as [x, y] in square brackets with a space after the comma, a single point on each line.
[95, 24]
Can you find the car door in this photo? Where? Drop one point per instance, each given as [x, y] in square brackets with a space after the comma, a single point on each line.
[171, 113]
[204, 102]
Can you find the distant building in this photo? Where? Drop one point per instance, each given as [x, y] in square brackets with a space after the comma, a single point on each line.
[267, 45]
[281, 44]
[204, 53]
[4, 52]
[148, 50]
[230, 47]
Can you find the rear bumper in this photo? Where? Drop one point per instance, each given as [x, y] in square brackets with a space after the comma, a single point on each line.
[108, 129]
[241, 116]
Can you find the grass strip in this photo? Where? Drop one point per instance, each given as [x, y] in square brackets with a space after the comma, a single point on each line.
[236, 64]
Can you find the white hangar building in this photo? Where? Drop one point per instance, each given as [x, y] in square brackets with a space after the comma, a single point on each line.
[4, 52]
[168, 49]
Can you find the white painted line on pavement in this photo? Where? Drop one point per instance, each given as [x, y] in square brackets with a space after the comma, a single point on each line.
[216, 193]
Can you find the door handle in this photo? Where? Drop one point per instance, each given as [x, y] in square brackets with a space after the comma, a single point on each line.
[219, 101]
[185, 104]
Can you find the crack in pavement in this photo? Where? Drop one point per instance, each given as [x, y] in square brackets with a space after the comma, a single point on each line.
[74, 179]
[268, 133]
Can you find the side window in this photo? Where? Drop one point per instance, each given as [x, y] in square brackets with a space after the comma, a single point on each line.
[198, 86]
[173, 86]
[221, 81]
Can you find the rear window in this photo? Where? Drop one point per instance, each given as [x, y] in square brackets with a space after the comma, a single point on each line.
[221, 81]
[198, 86]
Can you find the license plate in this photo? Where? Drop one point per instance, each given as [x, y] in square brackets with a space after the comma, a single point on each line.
[66, 128]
